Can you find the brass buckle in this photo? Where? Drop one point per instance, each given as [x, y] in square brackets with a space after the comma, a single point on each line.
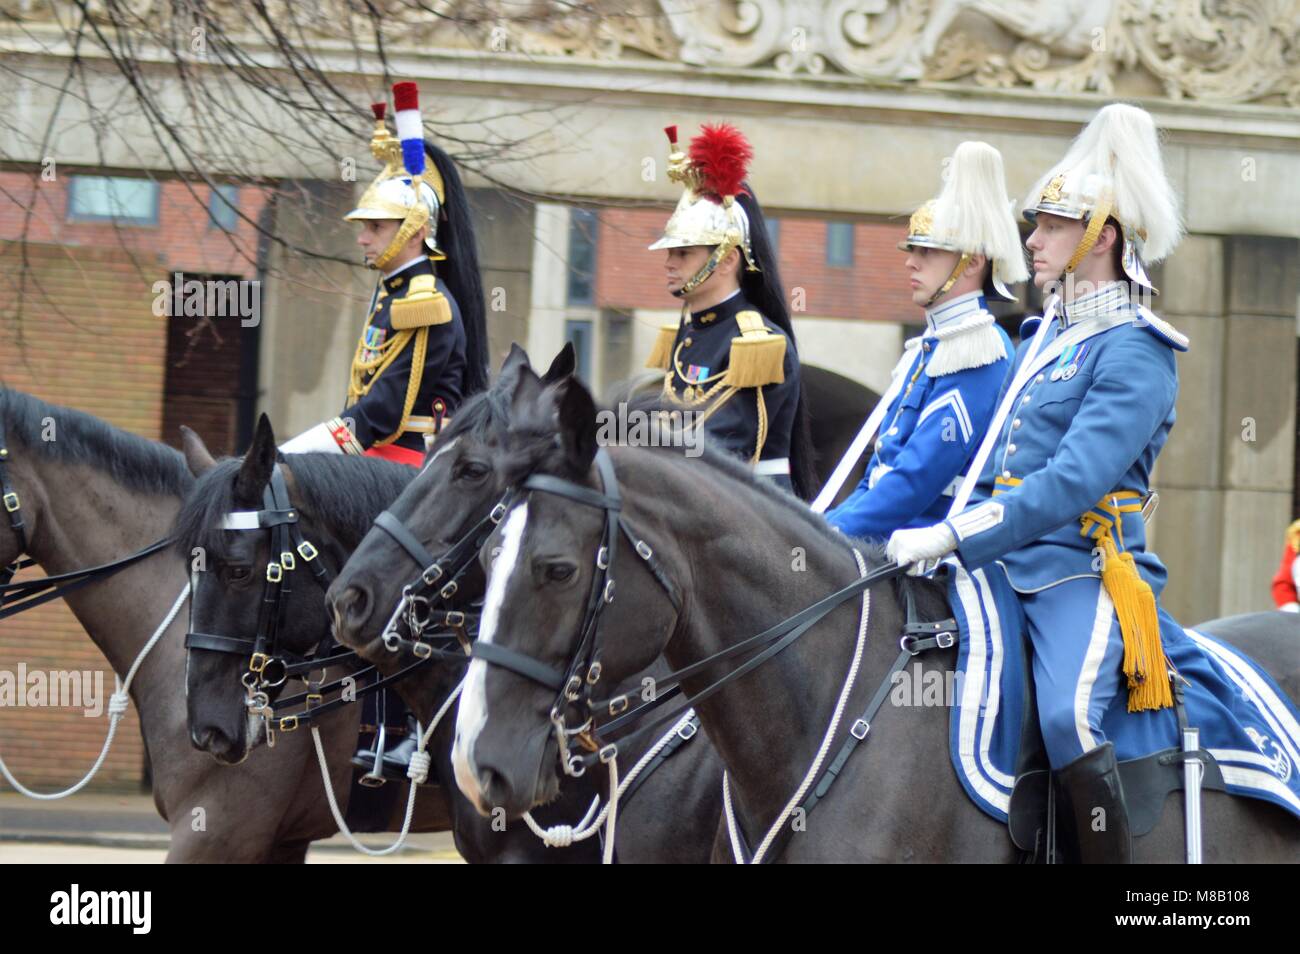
[454, 619]
[307, 551]
[274, 572]
[286, 560]
[11, 501]
[288, 723]
[314, 699]
[257, 662]
[448, 591]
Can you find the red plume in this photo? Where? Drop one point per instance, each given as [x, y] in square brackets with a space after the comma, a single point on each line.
[721, 154]
[379, 109]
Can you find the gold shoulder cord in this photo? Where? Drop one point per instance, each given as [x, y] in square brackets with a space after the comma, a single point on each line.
[385, 355]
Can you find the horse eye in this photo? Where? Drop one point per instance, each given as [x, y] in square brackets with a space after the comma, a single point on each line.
[473, 471]
[239, 574]
[559, 572]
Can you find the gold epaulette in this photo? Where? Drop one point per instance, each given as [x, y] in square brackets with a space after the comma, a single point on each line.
[422, 305]
[757, 355]
[661, 355]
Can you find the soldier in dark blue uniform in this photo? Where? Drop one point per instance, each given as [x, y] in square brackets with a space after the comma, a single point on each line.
[424, 345]
[732, 358]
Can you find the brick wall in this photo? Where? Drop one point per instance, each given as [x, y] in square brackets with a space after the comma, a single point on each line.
[86, 337]
[874, 288]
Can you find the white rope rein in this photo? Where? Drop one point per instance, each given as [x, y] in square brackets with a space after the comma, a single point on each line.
[118, 703]
[562, 836]
[813, 770]
[417, 772]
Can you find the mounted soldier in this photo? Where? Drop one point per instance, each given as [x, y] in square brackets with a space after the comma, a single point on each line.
[424, 345]
[963, 249]
[732, 358]
[1055, 540]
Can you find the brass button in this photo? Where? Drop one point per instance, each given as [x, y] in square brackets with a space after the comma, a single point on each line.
[1011, 448]
[1016, 423]
[1006, 474]
[686, 342]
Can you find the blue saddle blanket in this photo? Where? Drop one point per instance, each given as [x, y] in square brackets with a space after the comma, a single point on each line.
[1245, 720]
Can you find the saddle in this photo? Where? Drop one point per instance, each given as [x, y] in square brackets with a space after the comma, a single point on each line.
[1033, 822]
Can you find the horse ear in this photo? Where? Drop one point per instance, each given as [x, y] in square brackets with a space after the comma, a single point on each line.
[197, 456]
[577, 422]
[516, 359]
[255, 472]
[526, 391]
[563, 366]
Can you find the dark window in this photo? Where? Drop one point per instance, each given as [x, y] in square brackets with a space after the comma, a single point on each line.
[118, 199]
[579, 332]
[223, 208]
[839, 243]
[582, 257]
[774, 235]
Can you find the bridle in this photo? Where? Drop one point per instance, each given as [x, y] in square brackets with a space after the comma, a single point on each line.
[32, 593]
[583, 671]
[268, 665]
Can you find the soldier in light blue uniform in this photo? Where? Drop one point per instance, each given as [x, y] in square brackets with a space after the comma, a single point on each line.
[963, 246]
[1064, 476]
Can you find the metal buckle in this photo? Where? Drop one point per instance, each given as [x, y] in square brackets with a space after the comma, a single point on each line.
[643, 550]
[860, 729]
[431, 574]
[421, 650]
[687, 731]
[274, 572]
[906, 644]
[574, 767]
[448, 591]
[257, 662]
[608, 595]
[314, 699]
[372, 781]
[602, 558]
[617, 705]
[945, 640]
[609, 752]
[593, 674]
[497, 513]
[286, 560]
[571, 691]
[11, 502]
[288, 723]
[307, 551]
[454, 618]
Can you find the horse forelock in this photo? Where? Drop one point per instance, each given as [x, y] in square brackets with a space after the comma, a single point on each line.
[75, 437]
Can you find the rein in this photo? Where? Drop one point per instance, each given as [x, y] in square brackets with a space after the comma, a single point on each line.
[31, 593]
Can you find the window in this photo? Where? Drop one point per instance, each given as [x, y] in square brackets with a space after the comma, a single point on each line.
[579, 332]
[839, 243]
[582, 257]
[774, 236]
[223, 208]
[118, 199]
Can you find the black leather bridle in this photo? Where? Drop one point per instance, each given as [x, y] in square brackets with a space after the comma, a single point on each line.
[32, 593]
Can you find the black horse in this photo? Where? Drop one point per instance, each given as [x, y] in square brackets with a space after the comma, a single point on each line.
[744, 557]
[668, 815]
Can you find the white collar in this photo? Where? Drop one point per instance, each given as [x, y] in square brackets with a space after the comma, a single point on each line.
[953, 313]
[1110, 298]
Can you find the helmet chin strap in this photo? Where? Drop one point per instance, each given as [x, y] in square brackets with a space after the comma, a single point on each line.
[416, 218]
[719, 252]
[952, 280]
[1090, 235]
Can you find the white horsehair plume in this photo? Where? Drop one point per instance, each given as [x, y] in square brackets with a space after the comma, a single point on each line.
[974, 213]
[1120, 150]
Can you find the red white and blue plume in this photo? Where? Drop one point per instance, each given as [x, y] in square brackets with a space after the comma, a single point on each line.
[410, 127]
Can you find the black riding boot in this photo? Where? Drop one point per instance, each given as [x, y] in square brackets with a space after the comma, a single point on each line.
[396, 758]
[1094, 802]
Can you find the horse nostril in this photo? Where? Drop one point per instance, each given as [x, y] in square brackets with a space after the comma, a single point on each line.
[351, 610]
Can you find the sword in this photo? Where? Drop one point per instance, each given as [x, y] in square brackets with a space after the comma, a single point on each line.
[1193, 771]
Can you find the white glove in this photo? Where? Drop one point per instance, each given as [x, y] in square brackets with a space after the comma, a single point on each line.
[921, 545]
[1289, 608]
[330, 437]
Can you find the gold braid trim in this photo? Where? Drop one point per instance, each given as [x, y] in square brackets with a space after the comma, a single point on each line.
[1095, 224]
[762, 426]
[385, 354]
[412, 385]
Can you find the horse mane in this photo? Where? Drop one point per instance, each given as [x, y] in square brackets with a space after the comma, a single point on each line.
[343, 492]
[135, 462]
[479, 415]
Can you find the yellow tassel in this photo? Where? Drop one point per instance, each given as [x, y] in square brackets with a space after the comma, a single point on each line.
[1145, 666]
[661, 355]
[756, 361]
[421, 312]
